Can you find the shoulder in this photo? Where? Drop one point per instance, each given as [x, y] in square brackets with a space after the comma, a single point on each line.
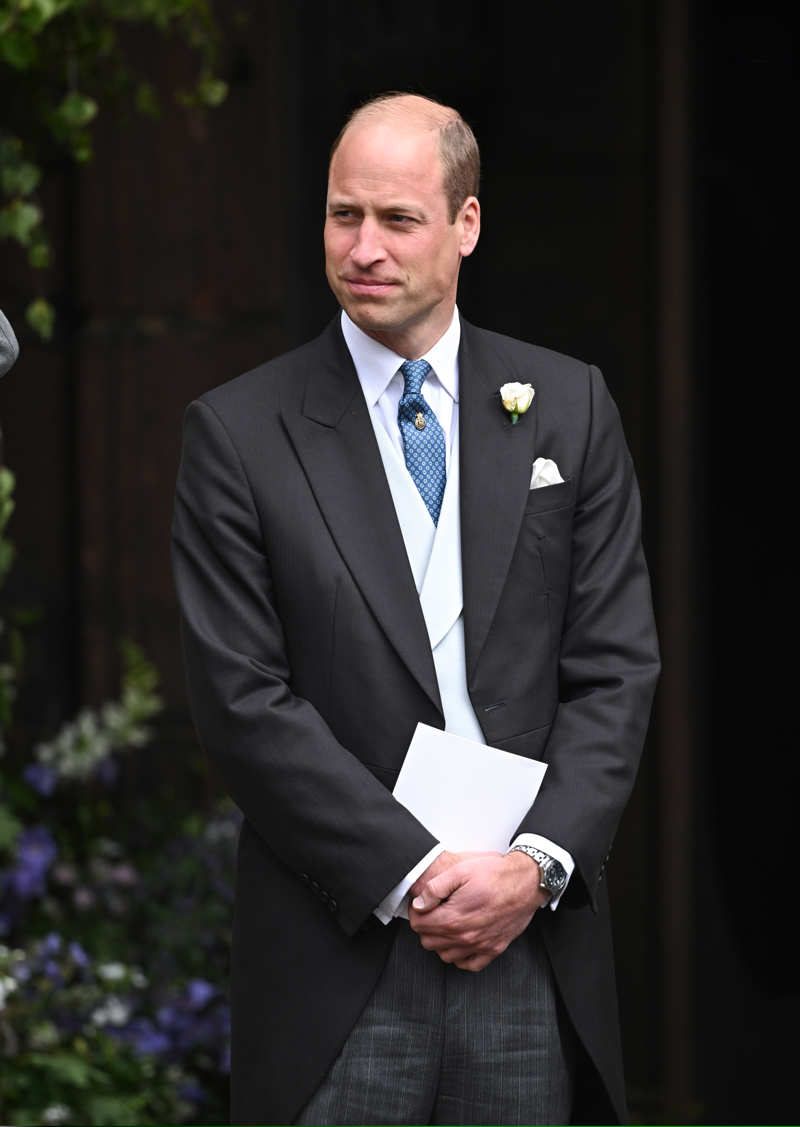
[565, 377]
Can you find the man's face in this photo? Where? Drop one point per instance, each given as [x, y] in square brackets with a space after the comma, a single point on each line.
[391, 256]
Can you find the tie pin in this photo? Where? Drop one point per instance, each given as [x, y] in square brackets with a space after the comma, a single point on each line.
[419, 421]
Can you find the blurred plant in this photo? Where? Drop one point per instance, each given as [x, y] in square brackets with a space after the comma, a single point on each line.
[82, 1047]
[115, 916]
[83, 746]
[59, 60]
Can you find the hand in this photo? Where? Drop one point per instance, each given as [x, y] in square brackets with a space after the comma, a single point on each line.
[474, 905]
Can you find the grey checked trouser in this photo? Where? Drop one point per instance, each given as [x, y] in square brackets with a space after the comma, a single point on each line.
[435, 1044]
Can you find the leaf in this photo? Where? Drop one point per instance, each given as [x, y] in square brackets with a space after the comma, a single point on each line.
[120, 1110]
[64, 1067]
[18, 49]
[9, 828]
[18, 220]
[211, 91]
[39, 254]
[41, 317]
[19, 179]
[81, 148]
[7, 482]
[77, 109]
[6, 557]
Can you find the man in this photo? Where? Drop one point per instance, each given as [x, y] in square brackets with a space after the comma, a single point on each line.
[358, 547]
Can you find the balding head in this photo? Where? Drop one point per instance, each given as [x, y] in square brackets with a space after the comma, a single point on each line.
[458, 149]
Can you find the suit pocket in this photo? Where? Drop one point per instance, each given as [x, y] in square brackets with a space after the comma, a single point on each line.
[549, 497]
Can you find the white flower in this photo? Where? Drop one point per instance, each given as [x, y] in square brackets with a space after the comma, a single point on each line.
[56, 1113]
[517, 398]
[113, 1012]
[111, 972]
[7, 986]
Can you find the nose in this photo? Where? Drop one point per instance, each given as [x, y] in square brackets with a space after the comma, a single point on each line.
[368, 247]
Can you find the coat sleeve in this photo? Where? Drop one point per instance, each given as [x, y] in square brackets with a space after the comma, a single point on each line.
[608, 659]
[317, 807]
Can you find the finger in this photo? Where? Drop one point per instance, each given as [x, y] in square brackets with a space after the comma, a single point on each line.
[474, 962]
[458, 955]
[437, 890]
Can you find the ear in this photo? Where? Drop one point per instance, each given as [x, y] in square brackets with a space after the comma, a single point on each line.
[469, 220]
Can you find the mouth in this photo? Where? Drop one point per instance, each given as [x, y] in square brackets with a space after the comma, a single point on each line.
[369, 287]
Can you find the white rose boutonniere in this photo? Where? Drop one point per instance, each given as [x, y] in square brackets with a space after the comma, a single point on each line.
[517, 398]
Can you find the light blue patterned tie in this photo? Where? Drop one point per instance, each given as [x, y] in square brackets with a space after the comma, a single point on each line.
[423, 438]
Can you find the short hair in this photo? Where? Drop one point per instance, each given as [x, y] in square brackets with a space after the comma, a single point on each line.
[458, 149]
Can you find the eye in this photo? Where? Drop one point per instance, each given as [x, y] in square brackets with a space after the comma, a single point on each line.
[400, 220]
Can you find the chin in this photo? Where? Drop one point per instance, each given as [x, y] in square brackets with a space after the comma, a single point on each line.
[372, 320]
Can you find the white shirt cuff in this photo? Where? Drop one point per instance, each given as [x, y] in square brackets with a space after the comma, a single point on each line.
[395, 903]
[552, 850]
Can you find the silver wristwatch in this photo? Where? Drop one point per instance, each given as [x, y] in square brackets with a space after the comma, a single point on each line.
[553, 874]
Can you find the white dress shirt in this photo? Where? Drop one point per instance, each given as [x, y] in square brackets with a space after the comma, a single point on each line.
[378, 370]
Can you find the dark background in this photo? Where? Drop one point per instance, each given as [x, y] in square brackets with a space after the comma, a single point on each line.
[637, 213]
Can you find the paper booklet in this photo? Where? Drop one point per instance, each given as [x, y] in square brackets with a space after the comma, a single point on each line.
[469, 795]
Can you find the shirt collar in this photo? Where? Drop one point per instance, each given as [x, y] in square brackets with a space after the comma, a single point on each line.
[376, 365]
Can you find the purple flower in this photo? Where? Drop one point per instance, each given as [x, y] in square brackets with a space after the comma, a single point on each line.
[53, 972]
[21, 971]
[78, 955]
[198, 993]
[172, 1019]
[51, 944]
[42, 778]
[198, 1031]
[145, 1038]
[36, 852]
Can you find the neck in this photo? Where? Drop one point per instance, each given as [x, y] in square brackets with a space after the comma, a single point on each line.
[412, 341]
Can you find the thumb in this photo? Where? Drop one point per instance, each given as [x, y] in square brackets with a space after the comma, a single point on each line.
[437, 890]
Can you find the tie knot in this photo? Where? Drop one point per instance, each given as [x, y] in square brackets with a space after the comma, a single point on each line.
[414, 375]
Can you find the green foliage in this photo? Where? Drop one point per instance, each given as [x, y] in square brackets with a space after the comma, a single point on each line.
[40, 314]
[61, 63]
[9, 829]
[115, 918]
[83, 1074]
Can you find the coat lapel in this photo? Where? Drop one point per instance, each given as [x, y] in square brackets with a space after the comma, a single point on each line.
[334, 439]
[496, 460]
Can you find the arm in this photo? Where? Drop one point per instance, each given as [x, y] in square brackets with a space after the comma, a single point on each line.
[315, 804]
[608, 666]
[608, 657]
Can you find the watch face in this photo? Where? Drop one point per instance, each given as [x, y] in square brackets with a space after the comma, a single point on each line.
[555, 877]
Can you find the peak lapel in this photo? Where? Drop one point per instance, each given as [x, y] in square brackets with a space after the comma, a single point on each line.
[496, 459]
[334, 440]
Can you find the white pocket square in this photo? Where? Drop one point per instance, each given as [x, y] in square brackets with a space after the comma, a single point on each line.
[544, 472]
